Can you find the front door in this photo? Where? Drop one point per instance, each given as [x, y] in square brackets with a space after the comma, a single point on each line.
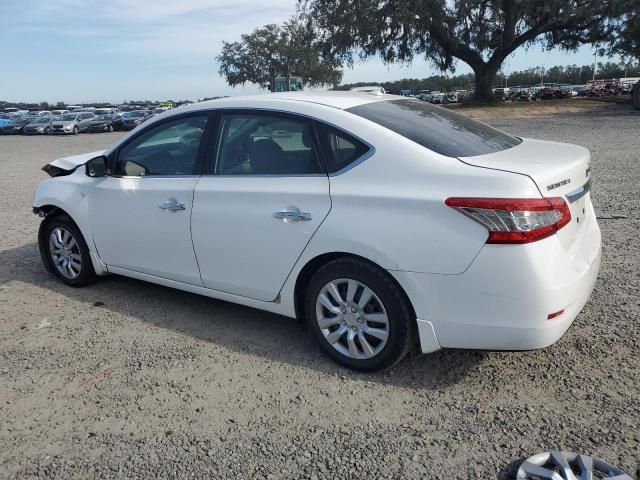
[257, 210]
[141, 215]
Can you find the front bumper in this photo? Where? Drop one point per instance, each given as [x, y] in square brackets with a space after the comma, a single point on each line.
[10, 130]
[98, 128]
[503, 300]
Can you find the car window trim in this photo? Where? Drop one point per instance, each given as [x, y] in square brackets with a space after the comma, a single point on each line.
[371, 150]
[204, 142]
[210, 172]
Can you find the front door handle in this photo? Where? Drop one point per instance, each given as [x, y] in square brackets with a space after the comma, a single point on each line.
[293, 215]
[172, 204]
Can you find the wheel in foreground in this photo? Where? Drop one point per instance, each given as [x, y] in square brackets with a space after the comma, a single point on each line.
[359, 315]
[64, 251]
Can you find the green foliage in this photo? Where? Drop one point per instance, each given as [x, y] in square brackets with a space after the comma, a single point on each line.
[290, 49]
[481, 33]
[627, 41]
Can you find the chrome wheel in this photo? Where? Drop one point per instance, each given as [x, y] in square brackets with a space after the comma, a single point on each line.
[65, 253]
[352, 318]
[567, 466]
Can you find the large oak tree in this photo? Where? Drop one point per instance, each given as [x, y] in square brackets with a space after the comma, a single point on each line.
[481, 33]
[290, 49]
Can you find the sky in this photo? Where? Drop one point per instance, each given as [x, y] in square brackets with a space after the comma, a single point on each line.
[82, 51]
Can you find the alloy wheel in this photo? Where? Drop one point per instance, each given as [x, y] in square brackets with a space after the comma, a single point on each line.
[65, 253]
[352, 318]
[568, 466]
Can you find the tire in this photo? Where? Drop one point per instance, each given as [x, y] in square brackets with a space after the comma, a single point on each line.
[110, 128]
[47, 130]
[76, 130]
[78, 249]
[387, 298]
[635, 95]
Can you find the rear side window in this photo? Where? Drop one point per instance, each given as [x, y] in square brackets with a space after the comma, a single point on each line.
[436, 128]
[339, 148]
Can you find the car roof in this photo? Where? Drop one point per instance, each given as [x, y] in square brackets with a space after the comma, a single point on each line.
[341, 100]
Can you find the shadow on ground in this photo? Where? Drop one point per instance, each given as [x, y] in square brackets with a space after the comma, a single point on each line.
[232, 326]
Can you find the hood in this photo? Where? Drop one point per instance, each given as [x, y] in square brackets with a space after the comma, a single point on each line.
[70, 163]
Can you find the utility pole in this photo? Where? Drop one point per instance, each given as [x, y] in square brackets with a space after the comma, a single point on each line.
[595, 54]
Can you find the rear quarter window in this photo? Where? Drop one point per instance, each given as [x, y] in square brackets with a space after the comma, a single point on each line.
[436, 128]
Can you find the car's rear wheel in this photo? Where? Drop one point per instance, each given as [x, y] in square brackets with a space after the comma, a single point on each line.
[64, 251]
[359, 316]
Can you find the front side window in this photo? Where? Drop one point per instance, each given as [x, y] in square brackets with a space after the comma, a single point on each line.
[436, 128]
[263, 144]
[170, 148]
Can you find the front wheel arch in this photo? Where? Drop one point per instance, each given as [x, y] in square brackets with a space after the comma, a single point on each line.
[313, 265]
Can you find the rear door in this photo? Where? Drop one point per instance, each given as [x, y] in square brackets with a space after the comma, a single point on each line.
[264, 197]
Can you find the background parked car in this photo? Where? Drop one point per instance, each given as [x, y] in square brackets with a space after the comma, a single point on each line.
[15, 124]
[131, 120]
[38, 126]
[107, 122]
[72, 123]
[6, 118]
[57, 113]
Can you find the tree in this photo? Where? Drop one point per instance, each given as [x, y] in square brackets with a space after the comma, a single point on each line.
[291, 49]
[481, 33]
[627, 40]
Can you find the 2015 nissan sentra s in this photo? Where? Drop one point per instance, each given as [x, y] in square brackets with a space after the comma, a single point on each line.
[383, 221]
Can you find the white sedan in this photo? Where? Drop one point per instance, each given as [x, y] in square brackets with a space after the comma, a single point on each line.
[382, 220]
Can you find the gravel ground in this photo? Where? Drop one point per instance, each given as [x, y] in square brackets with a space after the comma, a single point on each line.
[130, 380]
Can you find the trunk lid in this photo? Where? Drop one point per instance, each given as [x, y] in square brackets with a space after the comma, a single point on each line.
[557, 169]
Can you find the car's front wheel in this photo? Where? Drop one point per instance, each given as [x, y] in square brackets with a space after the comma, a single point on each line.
[358, 314]
[64, 251]
[76, 130]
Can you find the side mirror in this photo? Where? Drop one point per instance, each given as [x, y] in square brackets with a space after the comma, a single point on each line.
[96, 167]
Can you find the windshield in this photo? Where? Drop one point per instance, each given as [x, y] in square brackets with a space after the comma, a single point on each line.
[68, 117]
[102, 117]
[101, 111]
[135, 114]
[41, 120]
[436, 128]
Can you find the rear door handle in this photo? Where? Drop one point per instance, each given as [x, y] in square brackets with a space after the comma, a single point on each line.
[293, 215]
[172, 204]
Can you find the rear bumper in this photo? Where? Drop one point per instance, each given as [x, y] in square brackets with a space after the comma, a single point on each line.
[503, 300]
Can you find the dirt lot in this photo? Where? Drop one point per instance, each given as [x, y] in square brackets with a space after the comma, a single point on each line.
[130, 380]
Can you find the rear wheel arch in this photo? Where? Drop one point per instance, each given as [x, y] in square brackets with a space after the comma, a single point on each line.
[313, 265]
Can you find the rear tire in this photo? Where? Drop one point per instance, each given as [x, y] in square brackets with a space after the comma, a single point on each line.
[361, 334]
[64, 251]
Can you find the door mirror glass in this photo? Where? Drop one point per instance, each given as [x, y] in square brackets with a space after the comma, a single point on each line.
[96, 167]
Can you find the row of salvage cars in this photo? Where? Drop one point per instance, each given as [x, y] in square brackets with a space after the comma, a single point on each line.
[72, 122]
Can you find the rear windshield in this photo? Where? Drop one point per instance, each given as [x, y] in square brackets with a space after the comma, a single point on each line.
[436, 128]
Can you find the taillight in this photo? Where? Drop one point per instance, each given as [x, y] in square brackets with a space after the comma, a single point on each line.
[515, 220]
